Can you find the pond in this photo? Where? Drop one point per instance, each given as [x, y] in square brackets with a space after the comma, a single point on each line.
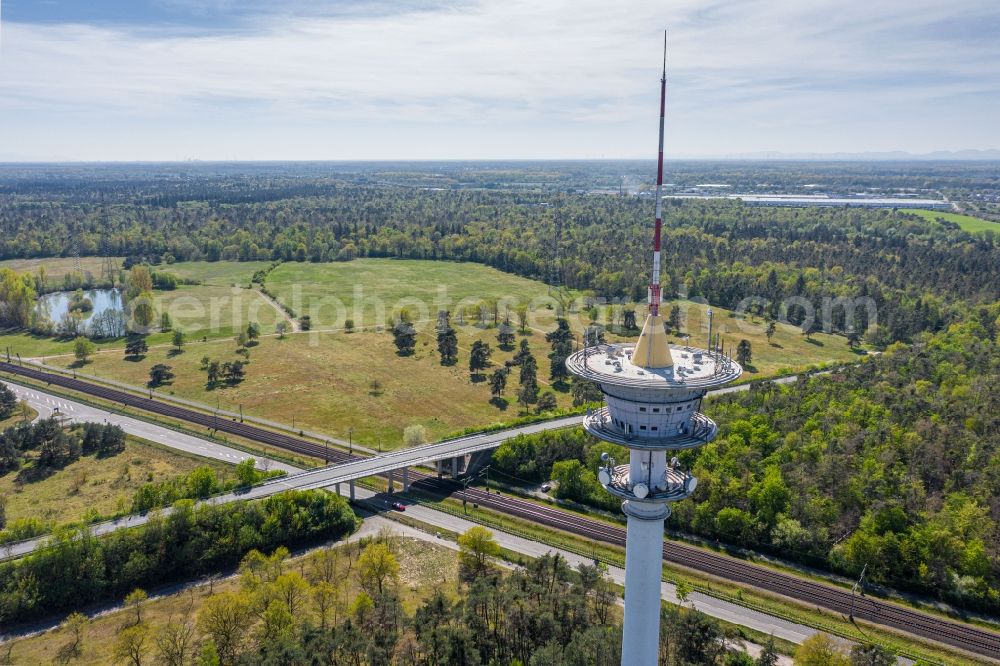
[57, 304]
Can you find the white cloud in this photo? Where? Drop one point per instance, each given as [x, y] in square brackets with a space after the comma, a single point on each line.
[754, 65]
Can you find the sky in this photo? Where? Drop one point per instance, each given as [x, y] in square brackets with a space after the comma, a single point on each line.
[122, 80]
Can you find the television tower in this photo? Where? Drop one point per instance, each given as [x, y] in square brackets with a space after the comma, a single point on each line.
[652, 393]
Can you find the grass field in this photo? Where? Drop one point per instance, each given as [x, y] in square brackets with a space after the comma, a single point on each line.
[424, 568]
[57, 267]
[101, 485]
[216, 311]
[217, 273]
[966, 222]
[323, 381]
[369, 291]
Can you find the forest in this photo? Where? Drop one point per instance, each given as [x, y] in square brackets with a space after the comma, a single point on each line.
[892, 464]
[359, 603]
[920, 274]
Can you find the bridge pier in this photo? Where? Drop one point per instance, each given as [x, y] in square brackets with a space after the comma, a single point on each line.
[439, 467]
[337, 489]
[454, 467]
[392, 481]
[406, 479]
[351, 486]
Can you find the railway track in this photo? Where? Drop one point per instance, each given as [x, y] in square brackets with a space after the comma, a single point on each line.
[966, 637]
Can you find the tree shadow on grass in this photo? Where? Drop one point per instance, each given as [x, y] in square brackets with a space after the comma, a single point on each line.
[775, 345]
[814, 341]
[174, 352]
[500, 403]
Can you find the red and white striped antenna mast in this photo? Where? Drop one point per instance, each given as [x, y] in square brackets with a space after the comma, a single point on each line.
[654, 284]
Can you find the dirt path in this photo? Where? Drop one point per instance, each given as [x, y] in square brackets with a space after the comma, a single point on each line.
[292, 323]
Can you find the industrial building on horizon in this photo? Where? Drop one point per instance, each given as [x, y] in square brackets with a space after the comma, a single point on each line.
[805, 200]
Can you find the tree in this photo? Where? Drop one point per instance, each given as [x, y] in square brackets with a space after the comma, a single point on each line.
[561, 340]
[477, 548]
[547, 401]
[498, 382]
[771, 328]
[522, 353]
[241, 339]
[522, 317]
[83, 349]
[770, 496]
[479, 359]
[570, 476]
[744, 353]
[325, 598]
[527, 394]
[165, 323]
[810, 327]
[160, 374]
[235, 372]
[734, 524]
[135, 599]
[8, 402]
[674, 319]
[529, 370]
[175, 642]
[178, 339]
[17, 299]
[130, 647]
[139, 281]
[820, 650]
[143, 313]
[282, 326]
[75, 623]
[585, 391]
[246, 473]
[214, 372]
[506, 336]
[768, 655]
[305, 322]
[226, 617]
[628, 319]
[253, 331]
[135, 345]
[853, 338]
[405, 337]
[871, 655]
[414, 435]
[377, 568]
[447, 340]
